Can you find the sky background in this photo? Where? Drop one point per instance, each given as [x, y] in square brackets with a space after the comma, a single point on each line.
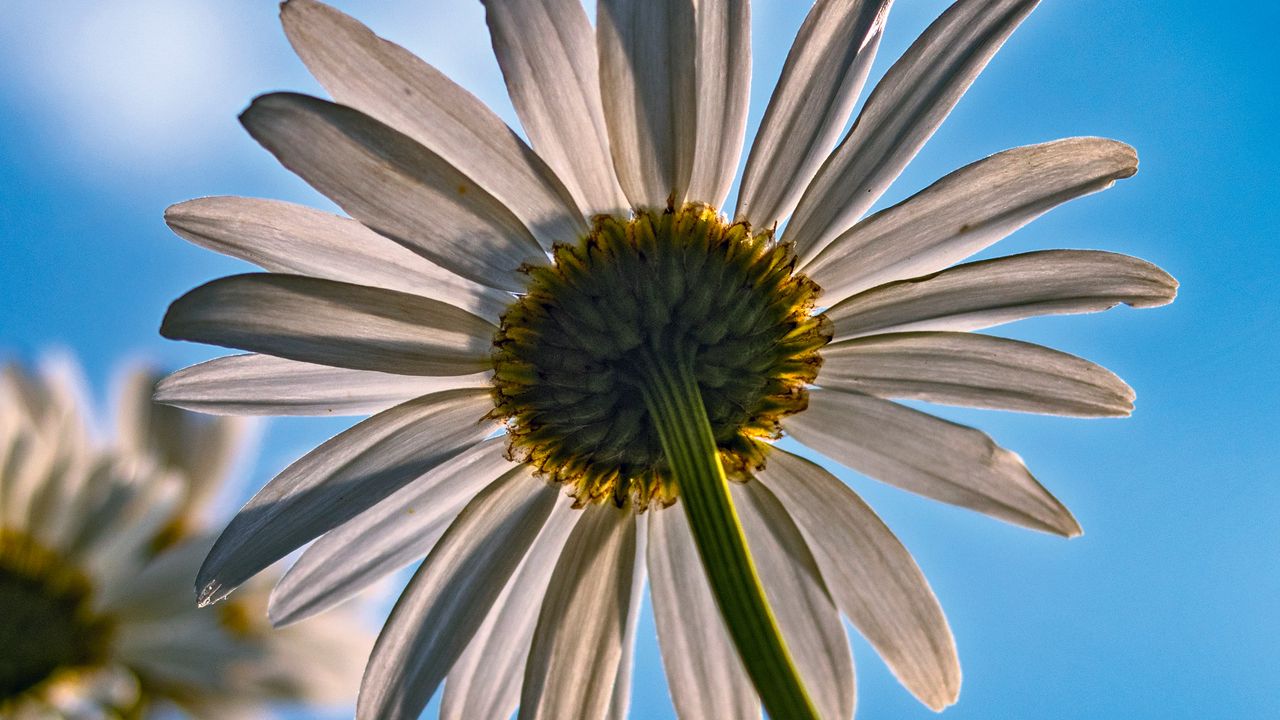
[1167, 607]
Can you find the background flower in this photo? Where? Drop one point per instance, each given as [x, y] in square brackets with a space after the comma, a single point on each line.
[112, 532]
[1149, 608]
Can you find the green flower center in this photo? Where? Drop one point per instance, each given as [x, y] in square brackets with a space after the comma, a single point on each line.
[574, 353]
[46, 619]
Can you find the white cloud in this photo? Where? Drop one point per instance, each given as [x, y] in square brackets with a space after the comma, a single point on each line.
[153, 87]
[128, 84]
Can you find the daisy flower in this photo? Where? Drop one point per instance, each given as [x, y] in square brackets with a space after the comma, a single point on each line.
[96, 556]
[577, 365]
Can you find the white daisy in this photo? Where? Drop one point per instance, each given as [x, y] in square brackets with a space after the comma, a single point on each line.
[96, 557]
[576, 313]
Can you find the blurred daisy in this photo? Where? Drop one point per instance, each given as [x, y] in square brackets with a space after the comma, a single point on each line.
[318, 662]
[576, 315]
[205, 450]
[94, 577]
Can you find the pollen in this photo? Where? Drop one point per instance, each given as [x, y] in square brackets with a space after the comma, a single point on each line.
[682, 286]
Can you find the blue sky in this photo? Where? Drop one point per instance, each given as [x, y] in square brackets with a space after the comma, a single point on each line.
[1167, 607]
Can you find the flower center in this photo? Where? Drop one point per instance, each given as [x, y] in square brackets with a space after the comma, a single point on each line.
[681, 287]
[46, 619]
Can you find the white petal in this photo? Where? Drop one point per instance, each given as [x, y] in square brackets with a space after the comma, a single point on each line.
[992, 292]
[111, 486]
[46, 454]
[395, 186]
[24, 475]
[872, 577]
[45, 483]
[547, 50]
[620, 702]
[56, 397]
[338, 480]
[204, 450]
[723, 75]
[806, 613]
[577, 645]
[824, 73]
[703, 669]
[282, 237]
[136, 503]
[903, 111]
[399, 530]
[23, 481]
[929, 456]
[13, 439]
[450, 596]
[485, 681]
[974, 371]
[333, 323]
[647, 83]
[321, 661]
[266, 385]
[162, 587]
[392, 85]
[188, 650]
[967, 211]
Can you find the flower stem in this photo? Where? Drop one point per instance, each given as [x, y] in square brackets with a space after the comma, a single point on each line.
[675, 403]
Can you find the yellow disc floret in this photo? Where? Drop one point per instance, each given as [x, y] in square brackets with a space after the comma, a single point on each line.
[573, 352]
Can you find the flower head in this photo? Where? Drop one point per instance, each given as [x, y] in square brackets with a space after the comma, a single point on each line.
[96, 551]
[575, 313]
[573, 355]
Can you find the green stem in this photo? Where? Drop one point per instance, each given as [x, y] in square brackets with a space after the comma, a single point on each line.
[674, 402]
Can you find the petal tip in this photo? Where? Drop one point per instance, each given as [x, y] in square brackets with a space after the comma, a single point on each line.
[163, 391]
[167, 329]
[1057, 519]
[173, 326]
[291, 12]
[1165, 291]
[176, 212]
[286, 605]
[1119, 158]
[939, 703]
[946, 692]
[1128, 158]
[270, 102]
[1051, 515]
[209, 592]
[1158, 287]
[1069, 527]
[293, 7]
[1171, 283]
[279, 614]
